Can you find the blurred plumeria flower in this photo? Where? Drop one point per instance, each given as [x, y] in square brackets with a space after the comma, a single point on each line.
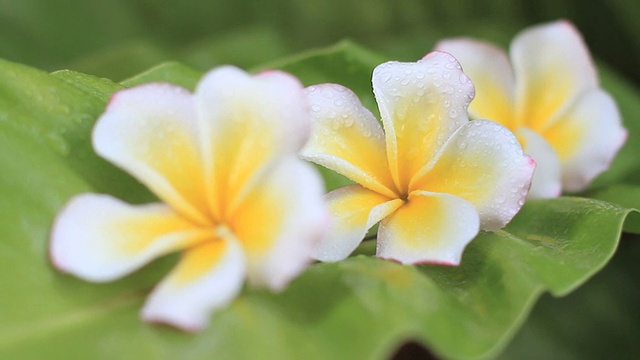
[548, 95]
[237, 200]
[433, 178]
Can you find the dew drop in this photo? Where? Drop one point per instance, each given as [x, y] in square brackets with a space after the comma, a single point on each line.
[315, 108]
[58, 144]
[348, 122]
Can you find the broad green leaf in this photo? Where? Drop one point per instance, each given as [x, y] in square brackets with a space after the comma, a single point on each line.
[599, 320]
[344, 63]
[359, 308]
[172, 72]
[623, 195]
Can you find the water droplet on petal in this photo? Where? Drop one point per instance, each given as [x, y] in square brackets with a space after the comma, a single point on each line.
[348, 122]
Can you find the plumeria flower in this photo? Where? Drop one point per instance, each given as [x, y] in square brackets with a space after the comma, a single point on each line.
[432, 178]
[548, 95]
[236, 199]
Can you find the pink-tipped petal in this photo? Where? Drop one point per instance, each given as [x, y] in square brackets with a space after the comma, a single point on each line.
[280, 222]
[355, 210]
[484, 164]
[553, 67]
[489, 69]
[100, 238]
[151, 132]
[347, 138]
[546, 181]
[586, 138]
[246, 122]
[207, 278]
[429, 228]
[421, 105]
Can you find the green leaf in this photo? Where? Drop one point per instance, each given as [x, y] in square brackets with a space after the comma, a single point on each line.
[598, 320]
[462, 312]
[344, 63]
[172, 72]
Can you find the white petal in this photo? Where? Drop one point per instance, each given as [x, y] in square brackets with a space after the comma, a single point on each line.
[429, 228]
[421, 105]
[546, 181]
[489, 69]
[586, 138]
[347, 138]
[246, 122]
[553, 66]
[484, 164]
[280, 222]
[100, 238]
[150, 131]
[355, 210]
[207, 278]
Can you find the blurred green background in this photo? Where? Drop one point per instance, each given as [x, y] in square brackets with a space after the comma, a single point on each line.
[119, 38]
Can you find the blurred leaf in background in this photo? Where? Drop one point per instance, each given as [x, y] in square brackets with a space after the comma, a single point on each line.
[119, 38]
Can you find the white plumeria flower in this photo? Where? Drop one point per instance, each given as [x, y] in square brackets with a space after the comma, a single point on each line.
[432, 178]
[548, 95]
[237, 200]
